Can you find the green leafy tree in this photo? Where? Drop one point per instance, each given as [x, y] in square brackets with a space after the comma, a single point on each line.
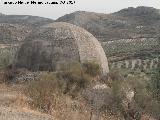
[156, 78]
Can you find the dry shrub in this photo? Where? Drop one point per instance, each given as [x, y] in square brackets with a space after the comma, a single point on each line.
[75, 79]
[2, 77]
[70, 109]
[21, 101]
[49, 91]
[44, 92]
[115, 75]
[50, 86]
[143, 101]
[7, 75]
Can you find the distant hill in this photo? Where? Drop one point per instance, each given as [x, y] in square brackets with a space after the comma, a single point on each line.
[24, 19]
[1, 14]
[13, 33]
[14, 28]
[141, 11]
[127, 35]
[143, 22]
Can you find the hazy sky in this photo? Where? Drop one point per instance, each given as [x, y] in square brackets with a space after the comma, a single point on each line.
[55, 11]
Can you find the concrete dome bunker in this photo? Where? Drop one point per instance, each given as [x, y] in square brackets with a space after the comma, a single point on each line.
[59, 42]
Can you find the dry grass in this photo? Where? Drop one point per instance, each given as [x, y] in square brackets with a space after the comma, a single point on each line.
[14, 105]
[12, 96]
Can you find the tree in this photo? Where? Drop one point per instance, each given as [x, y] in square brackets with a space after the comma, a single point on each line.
[156, 78]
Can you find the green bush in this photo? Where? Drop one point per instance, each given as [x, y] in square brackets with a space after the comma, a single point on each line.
[7, 75]
[155, 82]
[91, 68]
[143, 100]
[7, 56]
[76, 79]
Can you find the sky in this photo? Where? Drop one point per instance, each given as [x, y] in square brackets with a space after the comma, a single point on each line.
[55, 11]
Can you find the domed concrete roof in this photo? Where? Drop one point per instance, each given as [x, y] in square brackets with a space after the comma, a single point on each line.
[59, 42]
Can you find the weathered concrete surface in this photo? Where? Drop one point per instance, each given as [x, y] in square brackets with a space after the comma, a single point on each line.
[60, 42]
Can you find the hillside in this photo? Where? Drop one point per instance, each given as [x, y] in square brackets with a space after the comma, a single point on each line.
[24, 19]
[127, 23]
[59, 71]
[129, 34]
[1, 14]
[13, 33]
[14, 28]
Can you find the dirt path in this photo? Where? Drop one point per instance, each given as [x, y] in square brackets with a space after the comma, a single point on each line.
[10, 111]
